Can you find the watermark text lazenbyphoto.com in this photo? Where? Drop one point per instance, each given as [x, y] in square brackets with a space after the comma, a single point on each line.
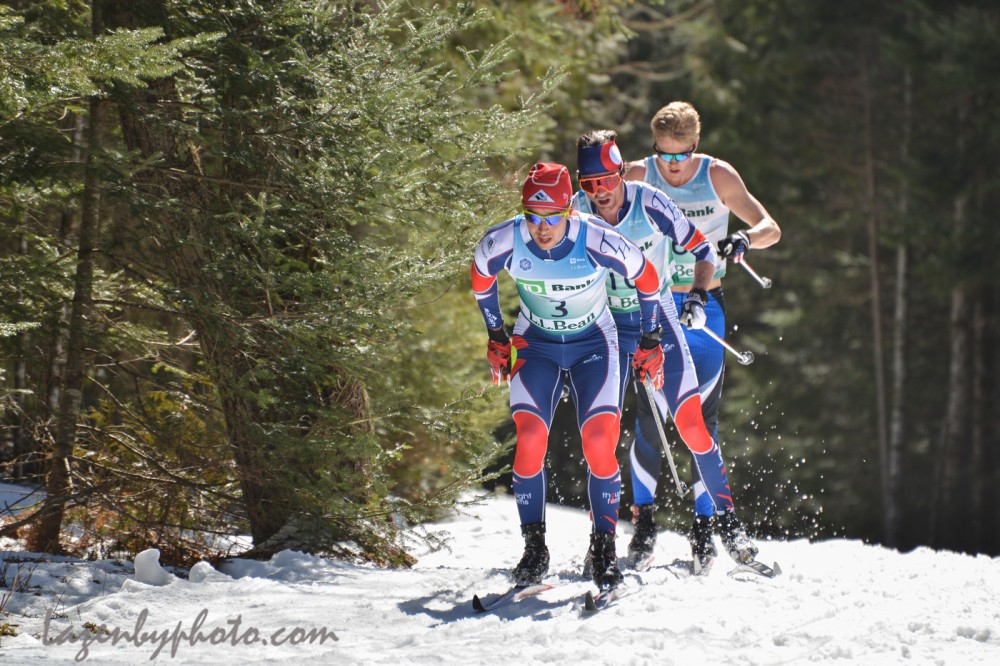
[171, 640]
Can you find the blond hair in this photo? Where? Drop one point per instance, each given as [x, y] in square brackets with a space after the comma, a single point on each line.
[678, 120]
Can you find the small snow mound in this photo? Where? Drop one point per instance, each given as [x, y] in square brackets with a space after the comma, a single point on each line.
[203, 571]
[148, 569]
[293, 558]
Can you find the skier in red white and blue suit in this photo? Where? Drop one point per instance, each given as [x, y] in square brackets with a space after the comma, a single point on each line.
[559, 259]
[651, 219]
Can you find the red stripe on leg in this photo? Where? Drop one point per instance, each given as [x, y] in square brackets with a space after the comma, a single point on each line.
[600, 437]
[691, 426]
[532, 441]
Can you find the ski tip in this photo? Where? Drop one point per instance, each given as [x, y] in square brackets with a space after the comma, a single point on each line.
[603, 599]
[758, 568]
[477, 603]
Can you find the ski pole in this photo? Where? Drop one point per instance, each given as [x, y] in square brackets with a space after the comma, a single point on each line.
[744, 357]
[762, 281]
[682, 488]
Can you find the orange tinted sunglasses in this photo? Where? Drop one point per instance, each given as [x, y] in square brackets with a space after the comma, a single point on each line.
[595, 184]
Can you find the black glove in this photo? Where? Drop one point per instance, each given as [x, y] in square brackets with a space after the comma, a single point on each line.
[651, 339]
[693, 310]
[734, 245]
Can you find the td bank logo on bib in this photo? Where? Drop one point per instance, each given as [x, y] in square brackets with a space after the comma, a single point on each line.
[536, 287]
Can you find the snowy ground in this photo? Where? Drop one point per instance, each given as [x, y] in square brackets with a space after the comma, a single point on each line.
[836, 602]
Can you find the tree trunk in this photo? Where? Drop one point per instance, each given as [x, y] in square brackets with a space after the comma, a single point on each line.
[19, 436]
[876, 285]
[954, 432]
[45, 535]
[977, 487]
[267, 501]
[897, 429]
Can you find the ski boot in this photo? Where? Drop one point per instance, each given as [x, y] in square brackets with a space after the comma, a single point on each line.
[702, 546]
[640, 549]
[735, 539]
[604, 561]
[534, 563]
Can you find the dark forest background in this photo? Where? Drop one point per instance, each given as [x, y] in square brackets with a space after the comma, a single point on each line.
[235, 242]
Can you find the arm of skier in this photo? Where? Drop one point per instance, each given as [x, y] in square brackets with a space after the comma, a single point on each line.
[763, 231]
[492, 256]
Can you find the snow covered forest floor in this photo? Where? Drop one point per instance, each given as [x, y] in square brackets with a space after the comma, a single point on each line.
[837, 601]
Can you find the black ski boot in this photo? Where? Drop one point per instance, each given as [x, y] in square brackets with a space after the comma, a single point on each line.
[735, 539]
[534, 563]
[702, 546]
[604, 561]
[644, 538]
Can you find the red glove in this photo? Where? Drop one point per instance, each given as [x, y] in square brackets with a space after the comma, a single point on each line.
[648, 360]
[498, 354]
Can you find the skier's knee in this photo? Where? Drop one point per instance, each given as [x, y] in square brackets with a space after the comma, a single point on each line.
[532, 442]
[600, 437]
[691, 426]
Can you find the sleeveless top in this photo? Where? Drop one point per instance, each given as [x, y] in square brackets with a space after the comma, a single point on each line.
[701, 204]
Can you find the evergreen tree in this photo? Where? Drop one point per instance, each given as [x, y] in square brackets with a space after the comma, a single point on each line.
[286, 196]
[52, 65]
[311, 177]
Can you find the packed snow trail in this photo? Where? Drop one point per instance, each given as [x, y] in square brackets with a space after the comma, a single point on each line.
[835, 602]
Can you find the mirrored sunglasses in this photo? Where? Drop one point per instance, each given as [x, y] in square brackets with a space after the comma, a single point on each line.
[552, 219]
[673, 157]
